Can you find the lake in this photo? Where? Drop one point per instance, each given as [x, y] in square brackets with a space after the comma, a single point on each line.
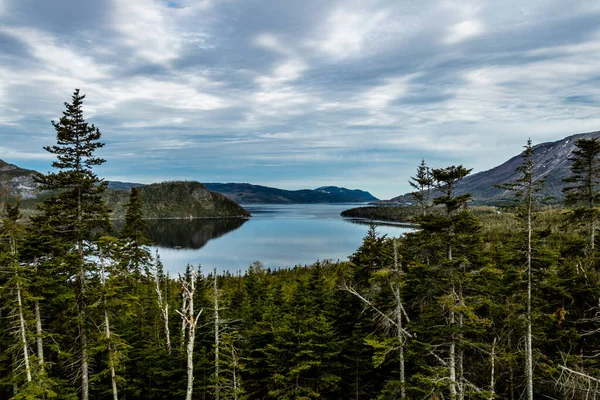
[276, 235]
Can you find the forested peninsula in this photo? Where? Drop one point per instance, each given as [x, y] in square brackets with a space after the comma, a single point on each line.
[467, 306]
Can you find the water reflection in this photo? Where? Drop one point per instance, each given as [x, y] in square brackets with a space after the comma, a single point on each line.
[187, 233]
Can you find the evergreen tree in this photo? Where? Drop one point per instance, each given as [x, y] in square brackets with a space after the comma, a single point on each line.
[75, 211]
[526, 189]
[583, 192]
[135, 233]
[422, 182]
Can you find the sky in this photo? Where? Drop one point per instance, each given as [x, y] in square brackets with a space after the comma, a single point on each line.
[298, 94]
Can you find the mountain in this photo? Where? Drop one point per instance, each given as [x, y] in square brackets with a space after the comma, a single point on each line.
[246, 193]
[122, 185]
[15, 181]
[178, 199]
[550, 163]
[159, 200]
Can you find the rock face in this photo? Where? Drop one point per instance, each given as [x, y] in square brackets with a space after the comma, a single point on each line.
[17, 182]
[246, 193]
[551, 163]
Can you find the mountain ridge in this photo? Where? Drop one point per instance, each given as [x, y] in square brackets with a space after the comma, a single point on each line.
[551, 163]
[247, 193]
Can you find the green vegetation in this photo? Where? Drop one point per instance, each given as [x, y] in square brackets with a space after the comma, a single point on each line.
[474, 304]
[185, 199]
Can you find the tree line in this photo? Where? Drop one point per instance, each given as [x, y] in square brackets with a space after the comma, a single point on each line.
[504, 306]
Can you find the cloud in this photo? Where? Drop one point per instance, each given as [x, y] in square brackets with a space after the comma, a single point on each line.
[346, 32]
[144, 30]
[339, 92]
[464, 30]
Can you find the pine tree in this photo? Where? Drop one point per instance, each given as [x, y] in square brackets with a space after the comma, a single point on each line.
[135, 233]
[75, 211]
[423, 183]
[583, 192]
[449, 247]
[526, 189]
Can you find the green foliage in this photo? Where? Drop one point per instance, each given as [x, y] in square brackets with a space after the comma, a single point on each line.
[423, 183]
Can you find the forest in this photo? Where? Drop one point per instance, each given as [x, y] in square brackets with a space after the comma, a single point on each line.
[497, 305]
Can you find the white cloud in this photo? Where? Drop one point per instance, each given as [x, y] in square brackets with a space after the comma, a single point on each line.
[271, 42]
[346, 32]
[287, 71]
[464, 30]
[145, 30]
[381, 96]
[58, 58]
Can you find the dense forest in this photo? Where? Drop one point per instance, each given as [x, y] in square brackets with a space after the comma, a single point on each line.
[467, 306]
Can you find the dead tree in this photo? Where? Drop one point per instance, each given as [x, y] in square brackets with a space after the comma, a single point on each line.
[217, 333]
[391, 320]
[190, 320]
[163, 304]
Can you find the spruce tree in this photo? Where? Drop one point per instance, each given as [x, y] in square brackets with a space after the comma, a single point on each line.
[75, 211]
[422, 182]
[526, 189]
[582, 192]
[135, 233]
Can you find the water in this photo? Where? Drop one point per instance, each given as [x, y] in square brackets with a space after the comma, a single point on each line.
[276, 235]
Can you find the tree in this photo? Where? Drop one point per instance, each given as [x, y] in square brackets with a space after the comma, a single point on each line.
[526, 189]
[135, 233]
[583, 193]
[449, 246]
[75, 210]
[422, 182]
[190, 320]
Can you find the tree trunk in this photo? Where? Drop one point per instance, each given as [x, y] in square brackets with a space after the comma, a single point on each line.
[217, 338]
[492, 374]
[85, 380]
[111, 355]
[38, 328]
[164, 311]
[39, 332]
[190, 321]
[398, 316]
[23, 334]
[528, 344]
[452, 360]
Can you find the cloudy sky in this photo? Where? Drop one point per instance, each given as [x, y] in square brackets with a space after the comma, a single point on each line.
[298, 94]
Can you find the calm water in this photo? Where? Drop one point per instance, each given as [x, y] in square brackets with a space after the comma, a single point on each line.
[276, 235]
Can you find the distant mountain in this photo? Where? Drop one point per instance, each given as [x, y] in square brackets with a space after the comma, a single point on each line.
[551, 163]
[159, 200]
[179, 199]
[123, 185]
[246, 193]
[17, 182]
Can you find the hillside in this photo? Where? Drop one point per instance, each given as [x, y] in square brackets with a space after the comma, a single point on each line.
[15, 181]
[551, 163]
[180, 199]
[246, 193]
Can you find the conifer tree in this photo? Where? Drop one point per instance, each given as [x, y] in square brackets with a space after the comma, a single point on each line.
[135, 233]
[422, 182]
[450, 244]
[583, 190]
[10, 236]
[75, 211]
[526, 189]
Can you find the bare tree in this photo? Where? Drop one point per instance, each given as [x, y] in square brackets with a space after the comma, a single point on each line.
[393, 319]
[163, 304]
[107, 332]
[190, 320]
[217, 333]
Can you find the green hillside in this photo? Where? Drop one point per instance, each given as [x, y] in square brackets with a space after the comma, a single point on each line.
[178, 199]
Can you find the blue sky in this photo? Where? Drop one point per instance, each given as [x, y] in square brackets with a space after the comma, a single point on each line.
[298, 94]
